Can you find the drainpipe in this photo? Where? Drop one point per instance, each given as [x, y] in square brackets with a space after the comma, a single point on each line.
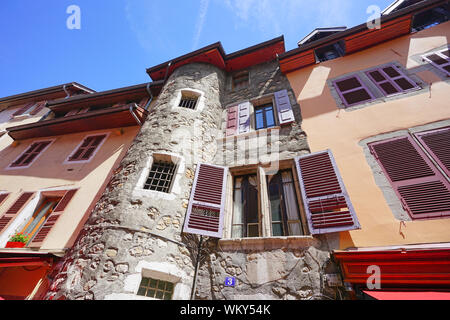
[151, 97]
[133, 106]
[167, 71]
[65, 90]
[197, 263]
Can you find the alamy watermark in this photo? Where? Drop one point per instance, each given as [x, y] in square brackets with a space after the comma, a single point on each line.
[74, 20]
[374, 280]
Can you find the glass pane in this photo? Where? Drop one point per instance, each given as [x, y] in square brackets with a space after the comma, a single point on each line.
[237, 231]
[251, 199]
[377, 76]
[151, 293]
[141, 291]
[277, 229]
[348, 84]
[161, 285]
[39, 216]
[388, 88]
[391, 72]
[446, 53]
[169, 286]
[295, 229]
[159, 295]
[436, 59]
[252, 230]
[269, 117]
[259, 117]
[275, 201]
[167, 296]
[153, 283]
[404, 84]
[144, 282]
[356, 96]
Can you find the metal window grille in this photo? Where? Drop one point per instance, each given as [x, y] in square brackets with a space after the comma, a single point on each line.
[160, 176]
[154, 288]
[188, 102]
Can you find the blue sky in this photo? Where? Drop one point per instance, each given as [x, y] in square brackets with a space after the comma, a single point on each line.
[119, 39]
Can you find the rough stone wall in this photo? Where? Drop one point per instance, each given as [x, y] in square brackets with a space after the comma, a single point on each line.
[131, 230]
[128, 226]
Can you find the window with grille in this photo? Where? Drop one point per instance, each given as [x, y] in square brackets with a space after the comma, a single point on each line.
[161, 176]
[31, 154]
[440, 59]
[154, 288]
[188, 100]
[352, 91]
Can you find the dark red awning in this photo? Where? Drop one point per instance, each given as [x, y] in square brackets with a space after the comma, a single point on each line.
[408, 295]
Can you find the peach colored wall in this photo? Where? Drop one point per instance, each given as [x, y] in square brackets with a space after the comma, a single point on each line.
[341, 131]
[48, 171]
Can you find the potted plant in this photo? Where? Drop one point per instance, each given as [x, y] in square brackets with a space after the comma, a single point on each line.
[19, 240]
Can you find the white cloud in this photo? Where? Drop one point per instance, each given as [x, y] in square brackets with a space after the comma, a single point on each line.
[200, 22]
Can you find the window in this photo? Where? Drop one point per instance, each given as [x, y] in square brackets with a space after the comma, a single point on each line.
[352, 91]
[240, 80]
[76, 111]
[283, 205]
[430, 18]
[330, 52]
[440, 59]
[188, 101]
[87, 148]
[31, 108]
[245, 211]
[390, 80]
[420, 183]
[161, 176]
[154, 288]
[30, 155]
[264, 116]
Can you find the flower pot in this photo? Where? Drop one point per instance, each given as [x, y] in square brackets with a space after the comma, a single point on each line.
[13, 244]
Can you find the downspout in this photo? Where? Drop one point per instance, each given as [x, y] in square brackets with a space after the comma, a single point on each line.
[167, 71]
[151, 97]
[197, 263]
[133, 106]
[65, 90]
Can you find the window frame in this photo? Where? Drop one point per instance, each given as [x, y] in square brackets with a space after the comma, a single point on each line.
[262, 107]
[156, 288]
[200, 95]
[92, 156]
[391, 80]
[363, 86]
[239, 75]
[10, 167]
[438, 53]
[172, 174]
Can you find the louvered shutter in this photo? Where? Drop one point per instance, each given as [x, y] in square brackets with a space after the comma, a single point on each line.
[47, 226]
[244, 117]
[391, 80]
[39, 106]
[422, 189]
[3, 197]
[30, 154]
[11, 213]
[437, 143]
[327, 204]
[87, 148]
[206, 205]
[284, 107]
[232, 121]
[24, 109]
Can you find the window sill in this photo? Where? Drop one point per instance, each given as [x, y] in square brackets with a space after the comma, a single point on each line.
[267, 243]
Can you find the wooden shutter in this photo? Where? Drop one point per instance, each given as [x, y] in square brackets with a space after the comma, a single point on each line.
[232, 118]
[15, 208]
[39, 106]
[422, 189]
[206, 205]
[87, 148]
[244, 117]
[30, 154]
[284, 107]
[327, 204]
[47, 226]
[391, 80]
[22, 110]
[437, 143]
[352, 91]
[3, 197]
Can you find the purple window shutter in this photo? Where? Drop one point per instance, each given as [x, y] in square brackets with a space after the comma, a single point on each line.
[15, 208]
[30, 154]
[422, 189]
[437, 143]
[284, 107]
[244, 117]
[22, 110]
[39, 106]
[87, 148]
[206, 205]
[352, 91]
[232, 121]
[391, 80]
[441, 60]
[327, 204]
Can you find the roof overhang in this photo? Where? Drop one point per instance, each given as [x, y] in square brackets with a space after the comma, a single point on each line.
[318, 31]
[359, 37]
[215, 55]
[17, 258]
[55, 92]
[109, 118]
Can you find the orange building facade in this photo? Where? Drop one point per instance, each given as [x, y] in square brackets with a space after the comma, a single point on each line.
[382, 108]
